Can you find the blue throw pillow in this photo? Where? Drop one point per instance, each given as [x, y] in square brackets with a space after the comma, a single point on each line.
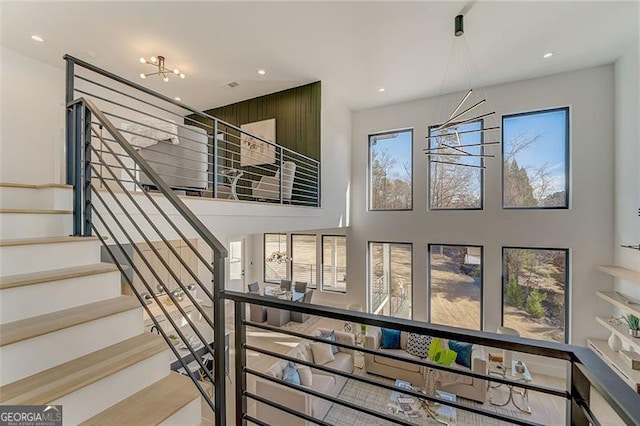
[390, 339]
[464, 352]
[331, 336]
[290, 374]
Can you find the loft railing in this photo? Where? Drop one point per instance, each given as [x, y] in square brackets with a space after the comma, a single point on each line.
[586, 372]
[194, 152]
[104, 206]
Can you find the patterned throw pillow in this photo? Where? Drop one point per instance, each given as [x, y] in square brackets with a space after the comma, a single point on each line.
[418, 345]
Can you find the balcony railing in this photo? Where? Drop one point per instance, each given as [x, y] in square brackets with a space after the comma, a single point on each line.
[193, 152]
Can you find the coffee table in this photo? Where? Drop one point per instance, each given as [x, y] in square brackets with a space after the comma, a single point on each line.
[427, 412]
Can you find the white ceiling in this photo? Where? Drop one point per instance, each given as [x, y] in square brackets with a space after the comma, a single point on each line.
[352, 47]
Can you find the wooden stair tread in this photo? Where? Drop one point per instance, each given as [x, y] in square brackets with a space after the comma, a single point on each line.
[28, 328]
[19, 280]
[44, 240]
[53, 383]
[152, 405]
[35, 211]
[34, 186]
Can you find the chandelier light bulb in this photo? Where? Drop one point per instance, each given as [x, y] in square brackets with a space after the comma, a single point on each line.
[182, 76]
[142, 76]
[262, 72]
[38, 38]
[153, 59]
[143, 61]
[165, 78]
[176, 71]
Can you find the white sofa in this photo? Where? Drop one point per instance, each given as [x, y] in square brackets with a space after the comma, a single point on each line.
[322, 381]
[458, 384]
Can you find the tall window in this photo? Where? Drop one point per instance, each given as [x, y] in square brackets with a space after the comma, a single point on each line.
[334, 263]
[535, 152]
[390, 279]
[391, 171]
[275, 253]
[459, 185]
[303, 252]
[535, 292]
[455, 285]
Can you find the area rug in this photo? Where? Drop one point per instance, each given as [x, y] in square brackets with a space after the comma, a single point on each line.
[376, 398]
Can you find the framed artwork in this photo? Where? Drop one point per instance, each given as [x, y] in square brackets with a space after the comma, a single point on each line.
[254, 151]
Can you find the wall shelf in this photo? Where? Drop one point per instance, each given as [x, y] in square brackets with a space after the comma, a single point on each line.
[620, 272]
[616, 362]
[622, 331]
[621, 301]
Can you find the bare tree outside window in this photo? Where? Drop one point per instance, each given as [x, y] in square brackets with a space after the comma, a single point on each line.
[535, 159]
[534, 292]
[390, 171]
[456, 186]
[303, 265]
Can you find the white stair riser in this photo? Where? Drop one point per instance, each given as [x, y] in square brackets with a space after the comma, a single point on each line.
[37, 299]
[190, 414]
[30, 356]
[42, 257]
[34, 198]
[35, 225]
[97, 397]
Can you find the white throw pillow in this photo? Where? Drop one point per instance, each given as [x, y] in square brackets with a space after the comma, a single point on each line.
[322, 353]
[306, 378]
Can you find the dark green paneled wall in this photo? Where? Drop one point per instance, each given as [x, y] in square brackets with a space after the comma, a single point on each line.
[297, 114]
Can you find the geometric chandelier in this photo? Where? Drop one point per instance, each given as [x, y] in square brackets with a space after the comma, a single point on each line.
[465, 121]
[160, 69]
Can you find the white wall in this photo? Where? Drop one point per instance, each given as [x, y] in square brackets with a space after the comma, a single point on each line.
[32, 120]
[627, 173]
[586, 229]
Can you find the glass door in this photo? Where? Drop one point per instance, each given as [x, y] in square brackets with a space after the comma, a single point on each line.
[236, 265]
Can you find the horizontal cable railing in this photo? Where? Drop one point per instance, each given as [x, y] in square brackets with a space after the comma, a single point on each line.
[585, 371]
[192, 151]
[139, 236]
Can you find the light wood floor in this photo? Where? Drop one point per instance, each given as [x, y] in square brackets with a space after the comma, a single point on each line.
[546, 409]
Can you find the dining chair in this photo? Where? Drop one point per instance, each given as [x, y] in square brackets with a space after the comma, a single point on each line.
[300, 287]
[285, 285]
[299, 316]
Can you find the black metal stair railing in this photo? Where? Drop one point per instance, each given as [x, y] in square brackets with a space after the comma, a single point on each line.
[121, 217]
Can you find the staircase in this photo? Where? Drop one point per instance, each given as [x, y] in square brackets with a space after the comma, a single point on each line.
[67, 335]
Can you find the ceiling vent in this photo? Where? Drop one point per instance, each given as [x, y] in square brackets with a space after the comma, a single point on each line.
[232, 84]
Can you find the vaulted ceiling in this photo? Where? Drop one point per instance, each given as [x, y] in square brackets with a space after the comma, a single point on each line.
[354, 48]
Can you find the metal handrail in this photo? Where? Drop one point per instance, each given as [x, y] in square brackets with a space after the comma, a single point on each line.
[587, 367]
[164, 98]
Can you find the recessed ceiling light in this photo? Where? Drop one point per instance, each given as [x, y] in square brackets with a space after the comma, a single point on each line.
[381, 89]
[547, 55]
[262, 72]
[36, 37]
[178, 98]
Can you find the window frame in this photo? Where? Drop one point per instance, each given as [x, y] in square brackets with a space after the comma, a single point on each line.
[264, 256]
[567, 156]
[315, 236]
[369, 294]
[482, 293]
[322, 289]
[369, 174]
[482, 180]
[567, 275]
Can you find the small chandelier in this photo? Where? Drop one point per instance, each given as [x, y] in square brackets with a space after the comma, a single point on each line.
[278, 257]
[160, 69]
